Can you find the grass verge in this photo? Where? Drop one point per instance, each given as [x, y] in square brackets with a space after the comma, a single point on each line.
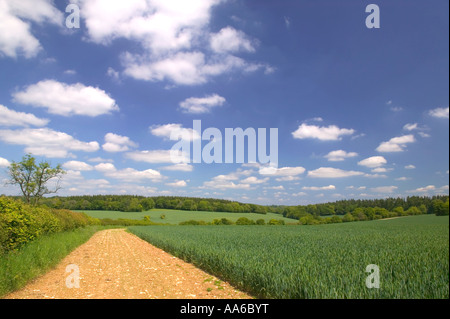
[17, 268]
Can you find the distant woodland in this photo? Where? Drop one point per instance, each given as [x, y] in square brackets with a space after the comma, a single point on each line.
[356, 209]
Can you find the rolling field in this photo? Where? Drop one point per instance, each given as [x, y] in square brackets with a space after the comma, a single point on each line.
[177, 216]
[326, 261]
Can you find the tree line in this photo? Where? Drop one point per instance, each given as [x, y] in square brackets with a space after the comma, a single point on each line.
[412, 205]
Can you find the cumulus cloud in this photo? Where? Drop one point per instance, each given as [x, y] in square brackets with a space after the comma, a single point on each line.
[19, 16]
[175, 132]
[330, 133]
[226, 185]
[195, 105]
[77, 166]
[441, 113]
[231, 40]
[324, 188]
[373, 162]
[173, 35]
[177, 184]
[282, 172]
[182, 167]
[411, 127]
[254, 180]
[4, 162]
[128, 174]
[12, 118]
[329, 172]
[47, 142]
[340, 155]
[116, 143]
[425, 189]
[396, 144]
[157, 157]
[384, 189]
[66, 100]
[185, 68]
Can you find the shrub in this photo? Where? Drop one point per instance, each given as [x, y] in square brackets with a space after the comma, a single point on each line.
[21, 223]
[245, 221]
[193, 222]
[276, 222]
[222, 221]
[260, 222]
[348, 218]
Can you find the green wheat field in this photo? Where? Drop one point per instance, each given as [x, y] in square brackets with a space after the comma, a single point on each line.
[326, 261]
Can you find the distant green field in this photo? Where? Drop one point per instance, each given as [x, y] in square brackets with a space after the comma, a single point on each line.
[324, 261]
[177, 216]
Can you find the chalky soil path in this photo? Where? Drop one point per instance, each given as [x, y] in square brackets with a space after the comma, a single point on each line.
[115, 264]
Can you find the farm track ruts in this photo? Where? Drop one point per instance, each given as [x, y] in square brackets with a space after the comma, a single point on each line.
[114, 264]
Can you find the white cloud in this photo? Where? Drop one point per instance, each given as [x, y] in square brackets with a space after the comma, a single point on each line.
[182, 167]
[384, 189]
[113, 74]
[278, 188]
[195, 105]
[128, 174]
[66, 100]
[100, 160]
[373, 162]
[18, 16]
[159, 25]
[425, 189]
[171, 34]
[47, 142]
[329, 172]
[12, 118]
[441, 113]
[185, 68]
[4, 162]
[324, 188]
[116, 143]
[431, 189]
[330, 133]
[231, 40]
[282, 172]
[381, 170]
[225, 185]
[254, 180]
[175, 132]
[340, 155]
[424, 135]
[231, 180]
[157, 157]
[411, 127]
[410, 167]
[77, 166]
[288, 179]
[299, 194]
[396, 144]
[70, 72]
[177, 184]
[375, 175]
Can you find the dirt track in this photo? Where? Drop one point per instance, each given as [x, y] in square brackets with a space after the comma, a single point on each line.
[114, 264]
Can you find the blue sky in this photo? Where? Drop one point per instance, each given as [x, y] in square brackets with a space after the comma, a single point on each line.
[361, 113]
